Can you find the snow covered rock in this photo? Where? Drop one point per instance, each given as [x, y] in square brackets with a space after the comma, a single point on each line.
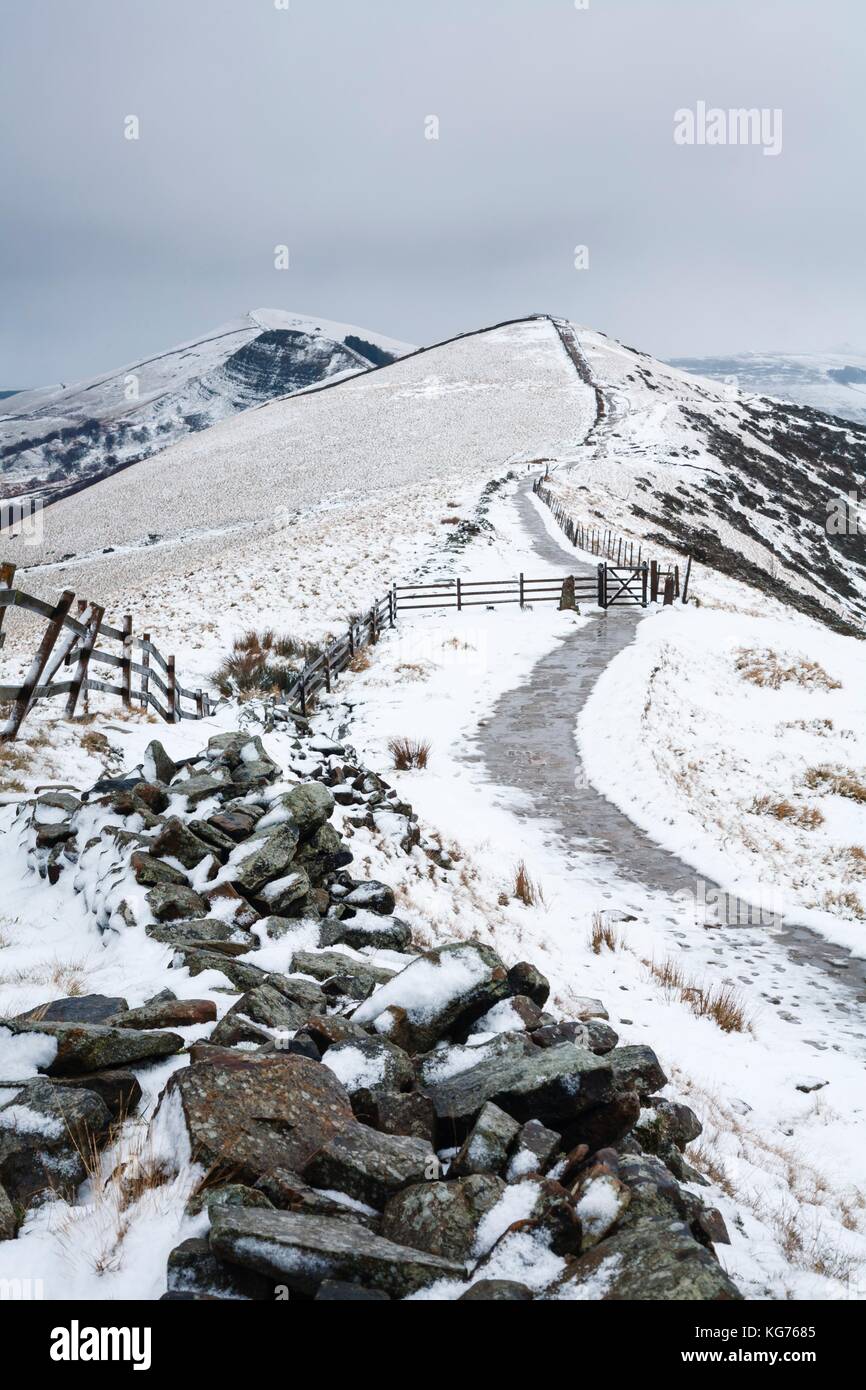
[44, 1130]
[369, 1166]
[303, 1251]
[83, 1047]
[554, 1085]
[370, 1064]
[657, 1260]
[442, 992]
[488, 1143]
[441, 1217]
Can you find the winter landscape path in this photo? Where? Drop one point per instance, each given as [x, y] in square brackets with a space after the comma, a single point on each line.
[539, 717]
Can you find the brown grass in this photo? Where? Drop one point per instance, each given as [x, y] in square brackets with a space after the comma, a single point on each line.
[764, 667]
[602, 935]
[837, 781]
[262, 663]
[408, 753]
[360, 661]
[809, 817]
[526, 889]
[721, 1003]
[847, 904]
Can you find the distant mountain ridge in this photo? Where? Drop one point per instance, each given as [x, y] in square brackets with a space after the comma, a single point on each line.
[832, 382]
[57, 439]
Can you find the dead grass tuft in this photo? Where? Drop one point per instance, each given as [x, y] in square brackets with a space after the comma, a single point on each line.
[837, 781]
[845, 904]
[408, 753]
[809, 817]
[764, 667]
[526, 889]
[602, 934]
[721, 1002]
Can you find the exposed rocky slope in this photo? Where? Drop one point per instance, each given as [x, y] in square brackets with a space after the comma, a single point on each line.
[59, 439]
[375, 1122]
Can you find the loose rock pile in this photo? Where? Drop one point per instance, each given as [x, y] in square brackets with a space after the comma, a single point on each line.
[376, 1120]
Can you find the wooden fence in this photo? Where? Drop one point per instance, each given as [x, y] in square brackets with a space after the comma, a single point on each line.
[602, 540]
[472, 593]
[76, 643]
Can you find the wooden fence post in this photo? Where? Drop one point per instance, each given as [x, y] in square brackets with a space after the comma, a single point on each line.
[302, 683]
[521, 589]
[173, 715]
[326, 661]
[459, 597]
[601, 587]
[85, 647]
[643, 578]
[676, 581]
[669, 589]
[200, 704]
[686, 580]
[145, 675]
[26, 693]
[126, 668]
[654, 581]
[7, 576]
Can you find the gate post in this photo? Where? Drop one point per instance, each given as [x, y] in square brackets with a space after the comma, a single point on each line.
[602, 586]
[643, 577]
[654, 581]
[669, 589]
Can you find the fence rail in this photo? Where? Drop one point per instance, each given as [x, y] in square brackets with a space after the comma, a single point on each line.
[602, 540]
[76, 643]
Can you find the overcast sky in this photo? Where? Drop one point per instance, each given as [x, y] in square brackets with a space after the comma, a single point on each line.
[261, 126]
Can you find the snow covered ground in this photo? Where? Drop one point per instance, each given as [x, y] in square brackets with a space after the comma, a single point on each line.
[328, 498]
[787, 1163]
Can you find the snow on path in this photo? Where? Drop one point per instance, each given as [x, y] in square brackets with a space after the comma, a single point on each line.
[787, 1163]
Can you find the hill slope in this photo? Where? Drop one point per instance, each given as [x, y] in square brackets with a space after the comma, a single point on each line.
[58, 439]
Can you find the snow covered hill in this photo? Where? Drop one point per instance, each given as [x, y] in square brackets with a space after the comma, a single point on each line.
[831, 382]
[768, 493]
[58, 439]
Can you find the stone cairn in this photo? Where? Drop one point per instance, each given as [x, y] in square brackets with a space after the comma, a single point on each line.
[379, 1119]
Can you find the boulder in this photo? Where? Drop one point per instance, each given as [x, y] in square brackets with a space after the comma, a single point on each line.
[364, 929]
[208, 934]
[594, 1034]
[372, 896]
[120, 1090]
[327, 965]
[264, 1006]
[269, 858]
[637, 1069]
[150, 871]
[369, 1166]
[289, 1192]
[303, 1251]
[441, 1217]
[488, 1143]
[170, 902]
[441, 992]
[171, 1013]
[534, 1150]
[370, 1063]
[44, 1130]
[199, 788]
[606, 1124]
[555, 1085]
[81, 1008]
[496, 1291]
[310, 805]
[601, 1201]
[396, 1112]
[194, 1269]
[656, 1261]
[524, 978]
[666, 1124]
[287, 894]
[260, 1113]
[83, 1047]
[158, 766]
[177, 840]
[229, 905]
